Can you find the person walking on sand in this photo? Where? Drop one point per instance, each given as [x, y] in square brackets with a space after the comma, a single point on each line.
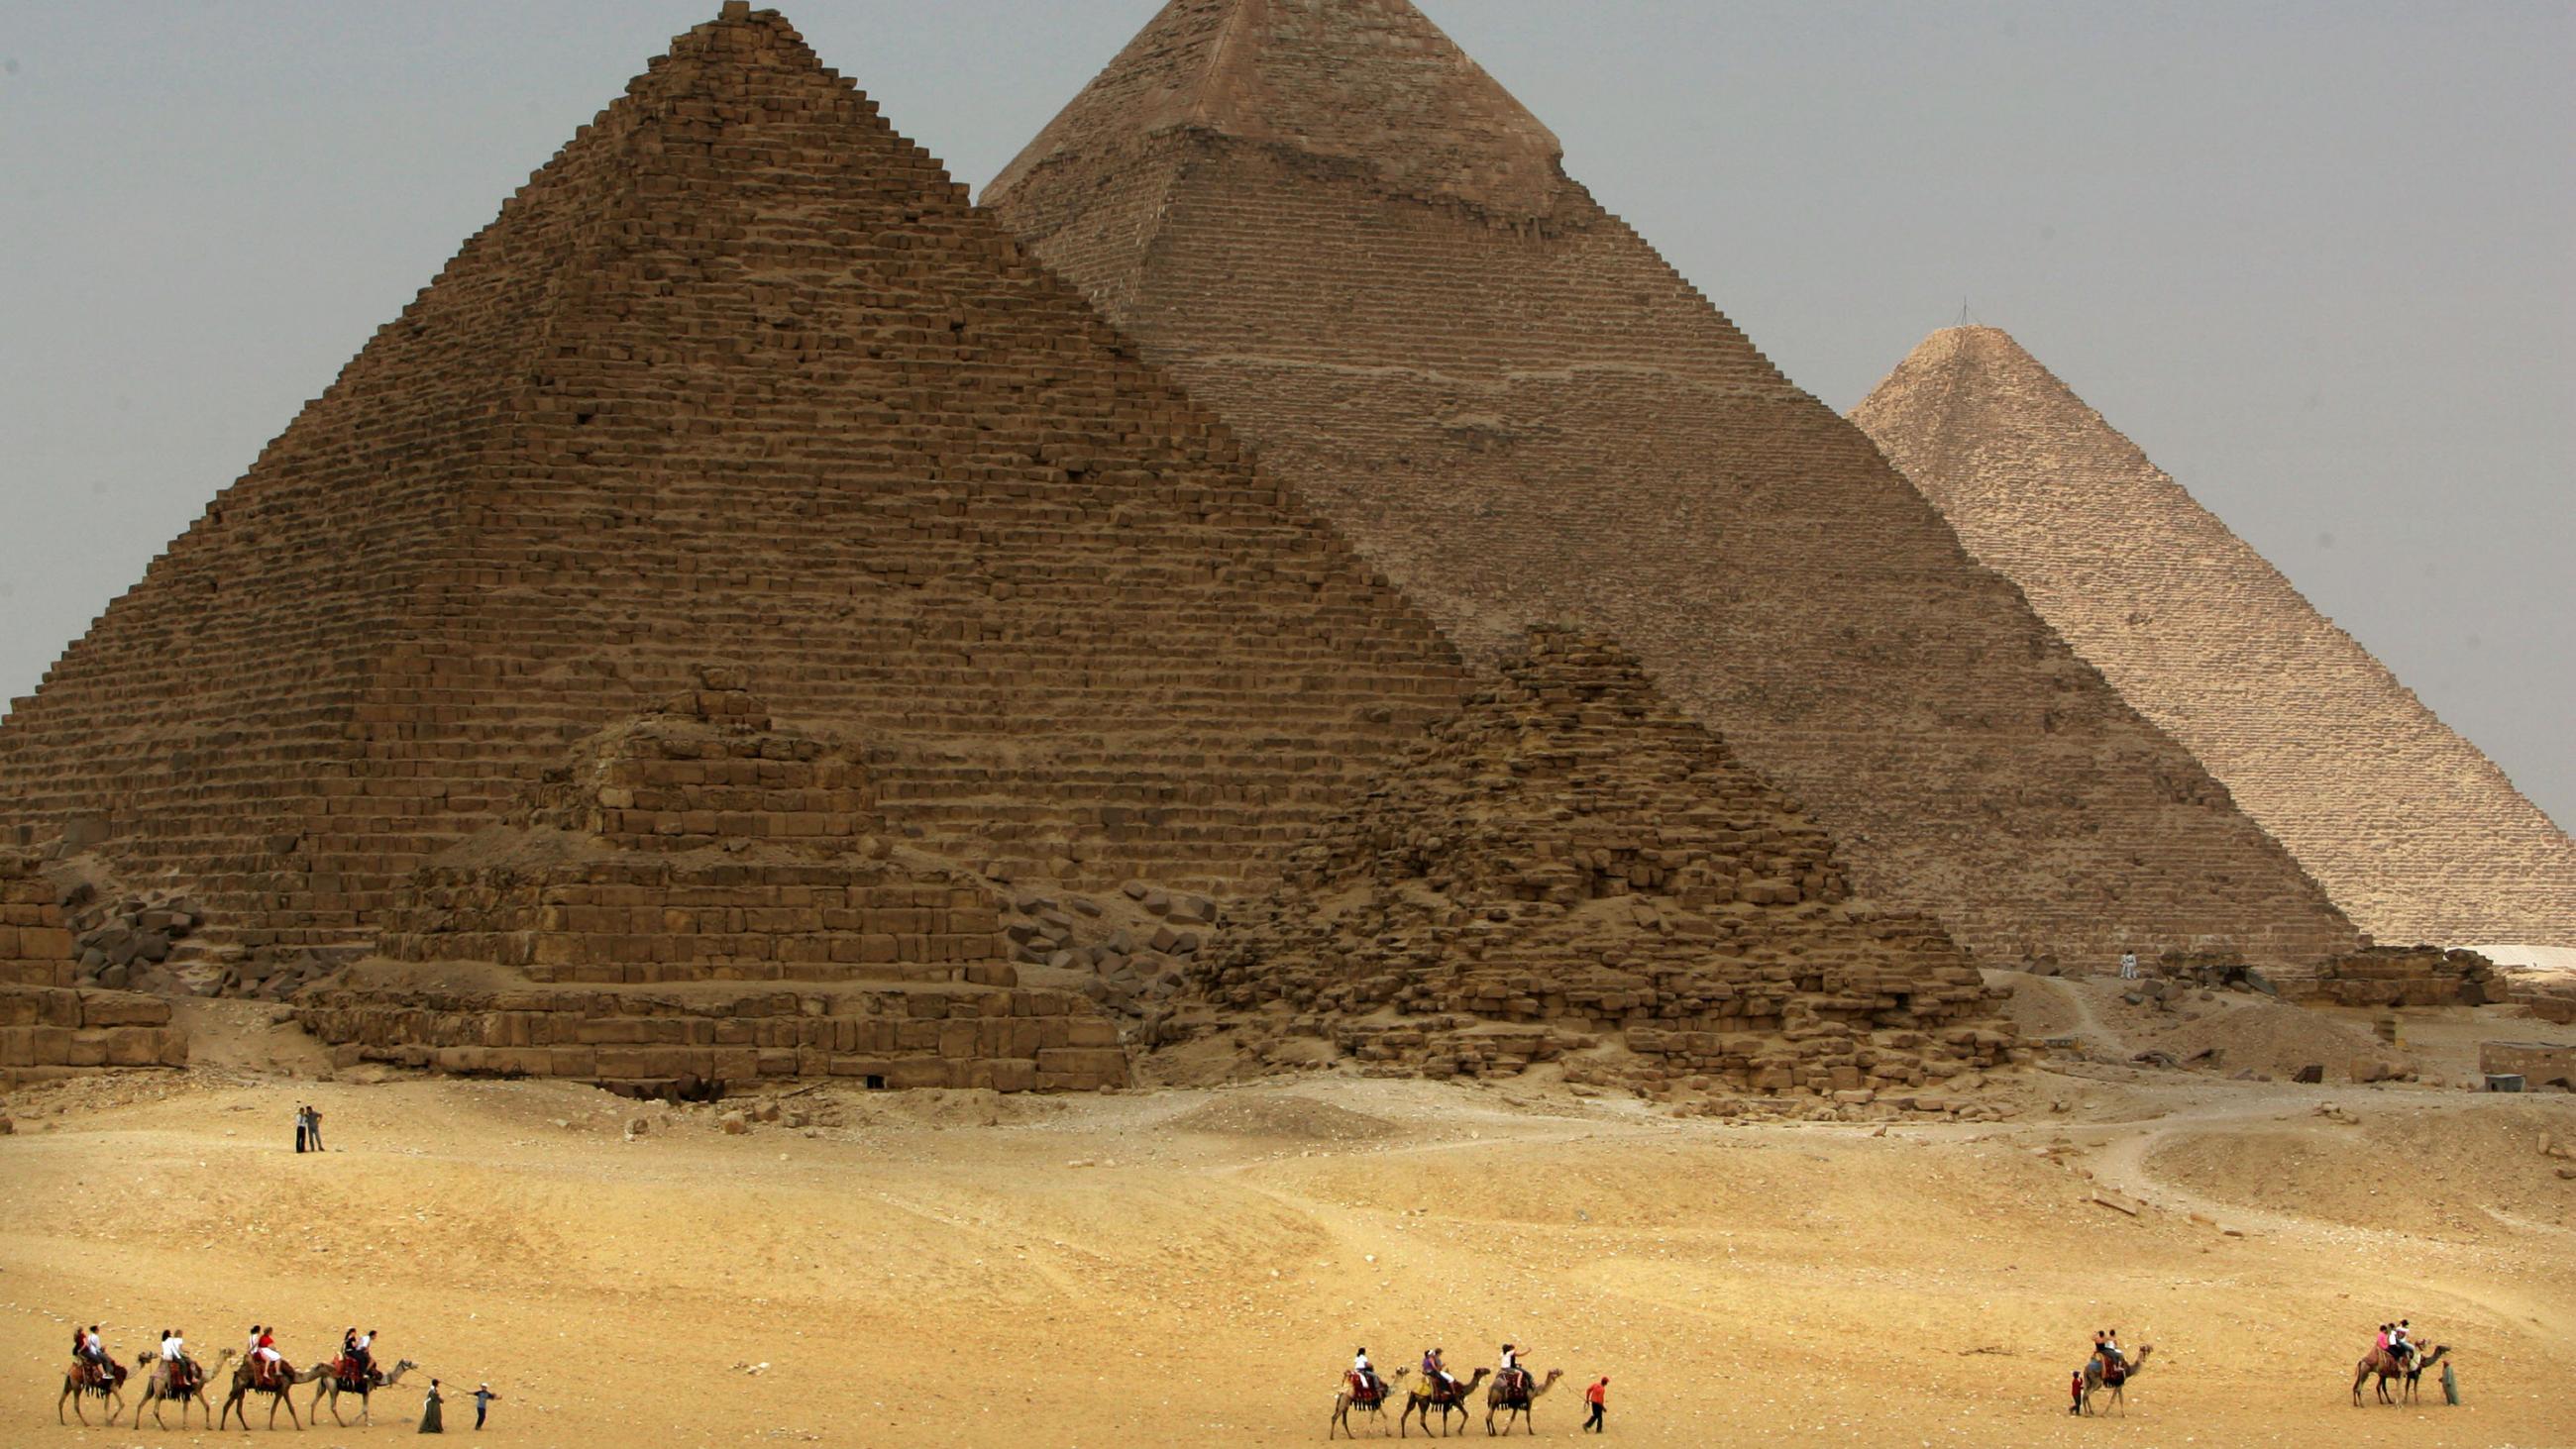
[2075, 1392]
[1598, 1396]
[430, 1422]
[483, 1397]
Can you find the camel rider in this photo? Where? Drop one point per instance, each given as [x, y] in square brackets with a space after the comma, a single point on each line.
[174, 1352]
[1511, 1377]
[2401, 1342]
[2111, 1351]
[270, 1360]
[1366, 1373]
[1436, 1373]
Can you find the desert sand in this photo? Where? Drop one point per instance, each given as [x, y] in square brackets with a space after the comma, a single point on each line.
[1194, 1265]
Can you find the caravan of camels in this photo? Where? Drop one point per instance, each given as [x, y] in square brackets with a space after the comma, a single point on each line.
[174, 1378]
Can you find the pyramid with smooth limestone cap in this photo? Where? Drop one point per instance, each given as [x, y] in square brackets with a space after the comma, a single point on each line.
[2413, 832]
[1354, 246]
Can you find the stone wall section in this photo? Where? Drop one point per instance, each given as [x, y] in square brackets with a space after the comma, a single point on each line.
[49, 1028]
[2416, 835]
[739, 375]
[1520, 412]
[665, 1043]
[1569, 861]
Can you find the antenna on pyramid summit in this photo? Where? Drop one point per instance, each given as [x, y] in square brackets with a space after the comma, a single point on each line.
[1964, 319]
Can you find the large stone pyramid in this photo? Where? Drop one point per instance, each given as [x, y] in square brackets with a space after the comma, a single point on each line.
[739, 376]
[1351, 243]
[2412, 831]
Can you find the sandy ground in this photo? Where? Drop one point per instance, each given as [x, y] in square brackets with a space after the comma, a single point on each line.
[1192, 1266]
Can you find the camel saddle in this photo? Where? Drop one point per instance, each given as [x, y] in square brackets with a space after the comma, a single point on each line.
[272, 1375]
[1364, 1392]
[1514, 1387]
[184, 1377]
[346, 1370]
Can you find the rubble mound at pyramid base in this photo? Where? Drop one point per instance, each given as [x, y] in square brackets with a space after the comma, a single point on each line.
[698, 900]
[1568, 870]
[50, 1027]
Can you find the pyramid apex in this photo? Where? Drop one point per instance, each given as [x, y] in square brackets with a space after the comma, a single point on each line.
[1372, 82]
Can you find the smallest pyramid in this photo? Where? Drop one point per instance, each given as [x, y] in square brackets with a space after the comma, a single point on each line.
[1569, 863]
[2413, 832]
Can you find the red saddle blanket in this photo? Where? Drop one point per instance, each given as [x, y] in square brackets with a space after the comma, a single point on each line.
[1362, 1392]
[271, 1375]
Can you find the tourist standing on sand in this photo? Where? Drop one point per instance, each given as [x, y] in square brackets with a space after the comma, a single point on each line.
[430, 1423]
[2128, 965]
[313, 1125]
[483, 1397]
[300, 1127]
[1598, 1396]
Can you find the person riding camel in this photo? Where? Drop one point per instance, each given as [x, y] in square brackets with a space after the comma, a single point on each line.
[270, 1361]
[2401, 1342]
[2112, 1356]
[1436, 1373]
[182, 1369]
[1364, 1376]
[1511, 1378]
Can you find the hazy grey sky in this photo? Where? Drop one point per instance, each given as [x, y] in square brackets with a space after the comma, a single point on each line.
[2314, 258]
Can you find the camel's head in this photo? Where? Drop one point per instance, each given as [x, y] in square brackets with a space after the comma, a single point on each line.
[1554, 1374]
[401, 1364]
[1482, 1374]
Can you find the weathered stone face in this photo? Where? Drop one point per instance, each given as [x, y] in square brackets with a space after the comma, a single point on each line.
[1569, 860]
[740, 375]
[2415, 834]
[47, 1027]
[697, 901]
[1516, 408]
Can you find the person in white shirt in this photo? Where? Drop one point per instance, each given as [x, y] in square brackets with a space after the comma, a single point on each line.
[2128, 965]
[174, 1349]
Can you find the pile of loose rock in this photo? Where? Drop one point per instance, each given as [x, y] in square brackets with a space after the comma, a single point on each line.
[1131, 950]
[1569, 869]
[121, 937]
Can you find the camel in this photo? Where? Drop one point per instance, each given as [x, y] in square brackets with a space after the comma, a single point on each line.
[2094, 1380]
[1344, 1401]
[2389, 1366]
[331, 1383]
[156, 1387]
[78, 1385]
[1447, 1402]
[1517, 1404]
[246, 1383]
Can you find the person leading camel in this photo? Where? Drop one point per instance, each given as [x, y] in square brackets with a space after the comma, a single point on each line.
[1598, 1396]
[430, 1420]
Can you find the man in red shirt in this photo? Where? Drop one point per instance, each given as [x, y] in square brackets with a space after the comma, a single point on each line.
[1598, 1396]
